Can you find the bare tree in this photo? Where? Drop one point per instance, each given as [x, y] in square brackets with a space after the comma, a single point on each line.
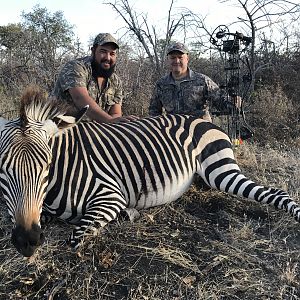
[263, 14]
[146, 34]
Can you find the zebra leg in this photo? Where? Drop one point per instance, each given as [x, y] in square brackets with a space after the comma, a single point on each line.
[98, 214]
[131, 214]
[219, 169]
[266, 195]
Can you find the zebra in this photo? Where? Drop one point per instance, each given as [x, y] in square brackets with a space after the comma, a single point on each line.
[86, 173]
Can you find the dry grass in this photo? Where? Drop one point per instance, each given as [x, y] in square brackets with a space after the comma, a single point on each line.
[274, 116]
[207, 245]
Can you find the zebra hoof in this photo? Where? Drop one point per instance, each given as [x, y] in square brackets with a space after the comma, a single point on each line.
[130, 214]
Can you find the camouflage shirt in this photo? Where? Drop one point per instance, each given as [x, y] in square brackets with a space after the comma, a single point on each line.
[78, 73]
[191, 95]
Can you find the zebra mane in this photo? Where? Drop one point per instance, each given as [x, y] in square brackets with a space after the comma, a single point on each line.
[37, 106]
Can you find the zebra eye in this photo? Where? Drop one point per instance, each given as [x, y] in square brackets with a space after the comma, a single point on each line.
[29, 131]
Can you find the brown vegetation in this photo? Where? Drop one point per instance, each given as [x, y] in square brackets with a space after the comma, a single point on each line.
[275, 117]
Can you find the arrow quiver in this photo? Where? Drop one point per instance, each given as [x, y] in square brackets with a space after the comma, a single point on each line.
[234, 90]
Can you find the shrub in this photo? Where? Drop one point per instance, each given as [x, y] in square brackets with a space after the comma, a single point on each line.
[274, 116]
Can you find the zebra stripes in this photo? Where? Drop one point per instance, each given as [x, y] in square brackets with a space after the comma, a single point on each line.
[87, 173]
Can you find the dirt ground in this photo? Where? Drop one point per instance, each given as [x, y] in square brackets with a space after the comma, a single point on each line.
[207, 245]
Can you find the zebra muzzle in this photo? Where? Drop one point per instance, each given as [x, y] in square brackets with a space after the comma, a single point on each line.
[27, 241]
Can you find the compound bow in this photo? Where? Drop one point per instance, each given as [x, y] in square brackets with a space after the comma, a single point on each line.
[235, 90]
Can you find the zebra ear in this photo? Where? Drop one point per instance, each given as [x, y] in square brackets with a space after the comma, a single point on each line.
[63, 121]
[50, 127]
[59, 122]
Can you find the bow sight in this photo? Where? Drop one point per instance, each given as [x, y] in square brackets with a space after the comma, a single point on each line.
[235, 89]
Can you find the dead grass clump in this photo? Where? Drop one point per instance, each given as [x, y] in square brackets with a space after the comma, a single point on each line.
[245, 155]
[274, 116]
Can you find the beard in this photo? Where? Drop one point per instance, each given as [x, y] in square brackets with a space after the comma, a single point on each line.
[99, 71]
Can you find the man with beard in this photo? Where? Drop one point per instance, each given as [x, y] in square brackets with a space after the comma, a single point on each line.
[91, 81]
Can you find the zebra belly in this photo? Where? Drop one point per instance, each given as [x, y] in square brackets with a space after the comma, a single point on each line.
[68, 197]
[170, 192]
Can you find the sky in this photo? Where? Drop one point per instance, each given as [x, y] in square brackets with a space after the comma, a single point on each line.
[90, 17]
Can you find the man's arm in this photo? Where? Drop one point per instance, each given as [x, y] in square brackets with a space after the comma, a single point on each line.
[213, 92]
[115, 110]
[81, 98]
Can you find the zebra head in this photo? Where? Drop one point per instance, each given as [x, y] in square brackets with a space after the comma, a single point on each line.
[25, 158]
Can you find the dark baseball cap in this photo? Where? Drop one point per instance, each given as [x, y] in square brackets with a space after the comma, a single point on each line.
[177, 46]
[105, 38]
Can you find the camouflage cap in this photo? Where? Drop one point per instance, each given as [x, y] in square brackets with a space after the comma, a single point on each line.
[105, 38]
[176, 46]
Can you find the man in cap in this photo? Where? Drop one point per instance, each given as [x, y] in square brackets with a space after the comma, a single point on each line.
[183, 91]
[91, 81]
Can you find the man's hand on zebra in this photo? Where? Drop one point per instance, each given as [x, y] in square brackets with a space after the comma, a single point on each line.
[123, 119]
